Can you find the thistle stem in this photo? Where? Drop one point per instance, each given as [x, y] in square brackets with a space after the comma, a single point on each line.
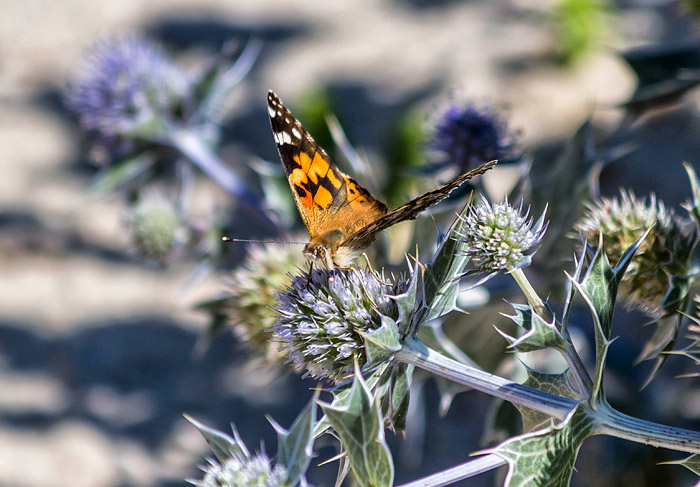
[608, 421]
[530, 293]
[460, 472]
[580, 374]
[617, 424]
[192, 146]
[416, 353]
[578, 370]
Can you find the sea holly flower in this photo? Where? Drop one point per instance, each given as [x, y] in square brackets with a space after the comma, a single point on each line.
[252, 293]
[128, 89]
[155, 226]
[468, 135]
[322, 318]
[257, 471]
[142, 111]
[498, 237]
[665, 253]
[235, 466]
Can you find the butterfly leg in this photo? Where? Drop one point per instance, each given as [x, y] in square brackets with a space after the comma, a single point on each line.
[362, 283]
[374, 273]
[308, 276]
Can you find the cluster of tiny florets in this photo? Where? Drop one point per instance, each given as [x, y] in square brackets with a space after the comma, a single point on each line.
[253, 289]
[155, 226]
[125, 84]
[664, 253]
[466, 136]
[253, 472]
[497, 237]
[320, 317]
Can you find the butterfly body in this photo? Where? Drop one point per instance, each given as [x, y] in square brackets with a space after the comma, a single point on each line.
[342, 217]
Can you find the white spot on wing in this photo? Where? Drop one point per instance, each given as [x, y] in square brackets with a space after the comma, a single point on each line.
[296, 133]
[272, 111]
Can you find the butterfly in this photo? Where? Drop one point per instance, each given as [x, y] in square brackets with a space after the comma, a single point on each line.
[342, 217]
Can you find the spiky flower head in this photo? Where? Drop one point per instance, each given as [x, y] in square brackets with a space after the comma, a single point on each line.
[256, 471]
[320, 319]
[665, 252]
[253, 289]
[468, 135]
[499, 237]
[128, 88]
[155, 225]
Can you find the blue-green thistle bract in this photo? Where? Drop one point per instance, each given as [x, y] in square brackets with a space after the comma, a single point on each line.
[466, 136]
[498, 237]
[320, 319]
[257, 471]
[126, 87]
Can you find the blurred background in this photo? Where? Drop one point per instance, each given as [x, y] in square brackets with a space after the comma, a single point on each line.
[97, 348]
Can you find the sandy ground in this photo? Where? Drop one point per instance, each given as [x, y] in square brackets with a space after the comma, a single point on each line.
[95, 348]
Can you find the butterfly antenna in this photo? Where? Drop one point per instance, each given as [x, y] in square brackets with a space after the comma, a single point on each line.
[228, 239]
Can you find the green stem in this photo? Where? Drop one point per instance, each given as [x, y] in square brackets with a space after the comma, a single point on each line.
[530, 294]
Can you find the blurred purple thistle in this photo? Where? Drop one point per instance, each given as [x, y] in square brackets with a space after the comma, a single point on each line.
[131, 97]
[125, 85]
[466, 136]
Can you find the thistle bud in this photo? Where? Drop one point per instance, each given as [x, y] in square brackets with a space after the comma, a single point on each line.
[666, 252]
[256, 471]
[155, 226]
[253, 289]
[498, 237]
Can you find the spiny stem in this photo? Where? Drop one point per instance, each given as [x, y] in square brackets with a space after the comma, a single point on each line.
[620, 425]
[578, 370]
[192, 146]
[570, 354]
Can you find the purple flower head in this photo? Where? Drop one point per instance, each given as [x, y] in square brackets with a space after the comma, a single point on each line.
[321, 319]
[466, 136]
[128, 87]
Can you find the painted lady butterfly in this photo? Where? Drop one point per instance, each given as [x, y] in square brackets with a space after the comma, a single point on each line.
[342, 218]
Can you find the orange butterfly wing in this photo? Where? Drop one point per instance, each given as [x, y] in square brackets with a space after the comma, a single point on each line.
[327, 199]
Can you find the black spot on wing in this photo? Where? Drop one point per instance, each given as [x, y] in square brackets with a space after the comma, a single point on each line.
[291, 137]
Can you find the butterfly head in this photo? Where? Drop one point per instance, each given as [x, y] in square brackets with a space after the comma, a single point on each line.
[320, 250]
[327, 251]
[318, 255]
